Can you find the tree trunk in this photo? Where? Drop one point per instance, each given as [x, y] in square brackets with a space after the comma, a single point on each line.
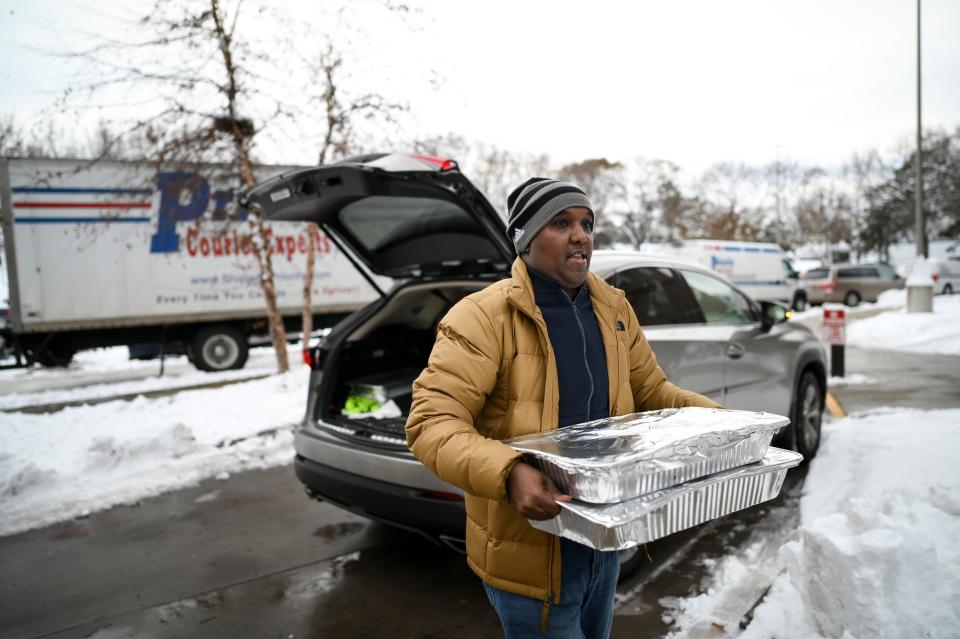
[313, 238]
[261, 243]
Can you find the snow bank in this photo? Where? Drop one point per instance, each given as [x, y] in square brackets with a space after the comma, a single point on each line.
[856, 379]
[937, 332]
[878, 550]
[151, 383]
[896, 330]
[60, 465]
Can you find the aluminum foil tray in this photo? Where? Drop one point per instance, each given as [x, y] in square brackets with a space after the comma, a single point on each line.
[618, 458]
[637, 521]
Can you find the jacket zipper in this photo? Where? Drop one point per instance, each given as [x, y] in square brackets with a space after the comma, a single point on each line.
[583, 338]
[616, 340]
[550, 595]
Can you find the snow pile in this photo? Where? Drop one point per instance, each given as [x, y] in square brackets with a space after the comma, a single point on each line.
[921, 273]
[60, 465]
[146, 384]
[895, 329]
[878, 550]
[116, 359]
[936, 332]
[856, 379]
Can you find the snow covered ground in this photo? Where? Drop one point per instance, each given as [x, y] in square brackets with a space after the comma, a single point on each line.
[59, 465]
[878, 549]
[899, 330]
[887, 325]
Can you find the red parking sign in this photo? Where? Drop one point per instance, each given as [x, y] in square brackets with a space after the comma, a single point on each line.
[834, 323]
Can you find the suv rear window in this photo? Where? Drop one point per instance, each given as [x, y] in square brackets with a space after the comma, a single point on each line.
[817, 273]
[378, 221]
[858, 271]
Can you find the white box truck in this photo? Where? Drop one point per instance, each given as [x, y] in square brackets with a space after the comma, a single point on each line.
[111, 253]
[759, 269]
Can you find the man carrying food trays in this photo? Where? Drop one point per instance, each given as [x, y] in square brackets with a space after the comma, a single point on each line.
[551, 346]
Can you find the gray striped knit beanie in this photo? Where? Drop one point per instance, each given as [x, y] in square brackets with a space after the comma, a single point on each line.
[534, 203]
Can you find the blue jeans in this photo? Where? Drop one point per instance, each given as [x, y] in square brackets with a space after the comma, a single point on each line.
[588, 581]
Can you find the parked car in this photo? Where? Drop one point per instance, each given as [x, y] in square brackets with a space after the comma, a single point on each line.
[946, 276]
[421, 219]
[850, 283]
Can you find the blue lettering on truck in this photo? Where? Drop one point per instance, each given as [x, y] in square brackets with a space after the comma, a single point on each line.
[718, 263]
[173, 208]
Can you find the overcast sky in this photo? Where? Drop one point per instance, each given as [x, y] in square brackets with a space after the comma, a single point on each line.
[693, 81]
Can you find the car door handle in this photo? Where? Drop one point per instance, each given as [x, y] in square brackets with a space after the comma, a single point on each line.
[735, 351]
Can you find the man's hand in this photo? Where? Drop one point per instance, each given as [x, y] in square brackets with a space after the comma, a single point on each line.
[533, 494]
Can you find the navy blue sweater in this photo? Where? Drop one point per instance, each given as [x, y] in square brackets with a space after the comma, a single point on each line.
[578, 346]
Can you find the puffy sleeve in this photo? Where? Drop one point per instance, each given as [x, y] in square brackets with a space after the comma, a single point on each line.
[448, 397]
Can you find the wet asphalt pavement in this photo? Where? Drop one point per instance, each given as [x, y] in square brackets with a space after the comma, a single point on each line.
[253, 557]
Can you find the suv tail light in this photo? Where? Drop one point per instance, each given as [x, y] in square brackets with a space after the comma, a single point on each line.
[443, 163]
[935, 277]
[314, 357]
[827, 286]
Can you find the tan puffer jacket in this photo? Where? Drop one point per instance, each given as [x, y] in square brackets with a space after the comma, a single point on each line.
[492, 375]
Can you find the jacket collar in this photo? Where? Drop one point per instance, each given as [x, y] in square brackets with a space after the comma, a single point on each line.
[521, 295]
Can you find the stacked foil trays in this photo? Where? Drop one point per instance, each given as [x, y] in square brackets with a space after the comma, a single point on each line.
[639, 477]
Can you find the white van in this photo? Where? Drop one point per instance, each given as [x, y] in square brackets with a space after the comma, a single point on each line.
[759, 269]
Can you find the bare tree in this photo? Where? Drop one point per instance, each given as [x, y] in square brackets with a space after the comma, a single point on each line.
[46, 140]
[778, 185]
[340, 137]
[730, 202]
[867, 171]
[493, 170]
[201, 99]
[654, 198]
[195, 81]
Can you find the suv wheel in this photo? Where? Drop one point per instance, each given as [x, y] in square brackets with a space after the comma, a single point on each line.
[947, 289]
[219, 348]
[807, 415]
[852, 298]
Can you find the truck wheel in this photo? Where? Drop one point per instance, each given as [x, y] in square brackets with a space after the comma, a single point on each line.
[807, 415]
[219, 348]
[55, 355]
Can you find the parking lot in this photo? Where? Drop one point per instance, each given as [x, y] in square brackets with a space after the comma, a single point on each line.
[252, 556]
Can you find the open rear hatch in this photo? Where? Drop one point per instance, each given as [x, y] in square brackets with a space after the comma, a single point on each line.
[402, 216]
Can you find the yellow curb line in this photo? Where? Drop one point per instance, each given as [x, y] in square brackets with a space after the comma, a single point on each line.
[834, 406]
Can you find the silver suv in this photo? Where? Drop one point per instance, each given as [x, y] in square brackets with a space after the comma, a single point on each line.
[421, 221]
